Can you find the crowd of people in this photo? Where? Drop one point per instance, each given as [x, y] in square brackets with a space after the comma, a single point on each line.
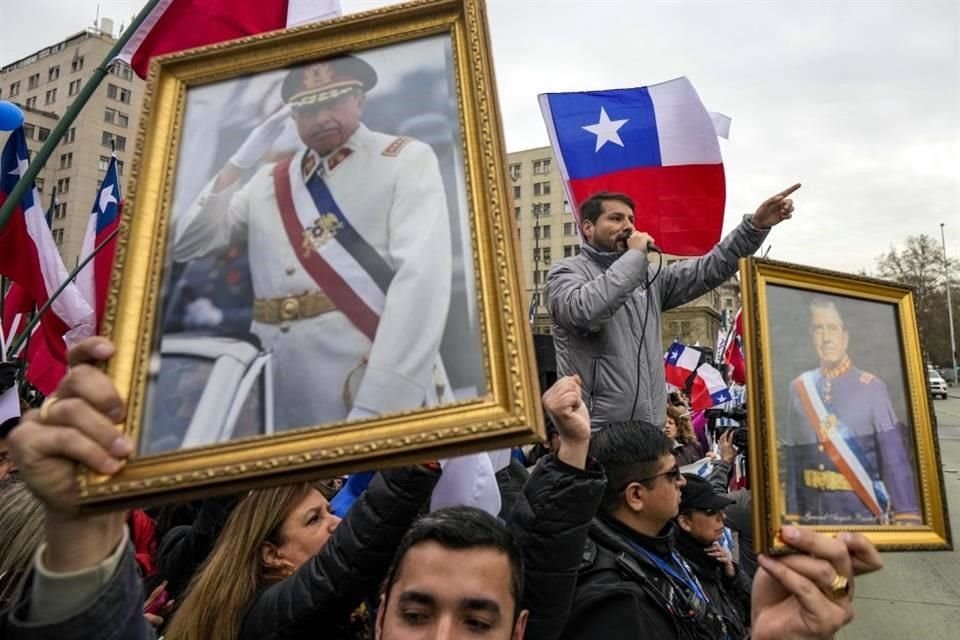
[601, 534]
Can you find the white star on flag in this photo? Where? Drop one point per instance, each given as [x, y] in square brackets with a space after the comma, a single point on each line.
[106, 197]
[21, 169]
[606, 130]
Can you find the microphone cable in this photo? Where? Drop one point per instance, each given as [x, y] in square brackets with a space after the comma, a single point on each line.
[643, 326]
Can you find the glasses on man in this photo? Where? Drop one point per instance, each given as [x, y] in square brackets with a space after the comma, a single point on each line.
[673, 474]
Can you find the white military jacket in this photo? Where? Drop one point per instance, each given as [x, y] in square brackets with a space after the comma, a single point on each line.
[391, 191]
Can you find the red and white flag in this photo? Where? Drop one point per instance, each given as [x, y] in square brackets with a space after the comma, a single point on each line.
[709, 389]
[29, 257]
[733, 352]
[94, 279]
[177, 25]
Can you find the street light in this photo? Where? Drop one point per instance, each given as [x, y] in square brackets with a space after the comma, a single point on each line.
[953, 340]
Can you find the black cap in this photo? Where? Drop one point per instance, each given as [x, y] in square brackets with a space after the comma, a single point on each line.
[325, 80]
[698, 494]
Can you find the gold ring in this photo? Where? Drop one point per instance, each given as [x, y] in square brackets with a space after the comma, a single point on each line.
[839, 588]
[45, 407]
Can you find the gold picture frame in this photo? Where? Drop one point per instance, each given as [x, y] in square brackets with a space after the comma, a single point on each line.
[827, 439]
[443, 43]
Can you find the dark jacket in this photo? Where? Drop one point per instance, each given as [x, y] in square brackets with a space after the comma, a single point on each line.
[730, 596]
[320, 597]
[184, 548]
[510, 482]
[550, 521]
[687, 453]
[622, 595]
[116, 613]
[604, 304]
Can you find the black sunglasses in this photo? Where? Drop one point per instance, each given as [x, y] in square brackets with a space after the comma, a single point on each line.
[673, 473]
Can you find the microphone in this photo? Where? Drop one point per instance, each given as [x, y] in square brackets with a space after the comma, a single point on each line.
[650, 246]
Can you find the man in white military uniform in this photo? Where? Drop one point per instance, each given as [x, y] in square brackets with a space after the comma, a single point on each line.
[350, 252]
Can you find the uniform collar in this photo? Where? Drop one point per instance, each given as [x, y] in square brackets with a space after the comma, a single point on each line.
[313, 162]
[837, 371]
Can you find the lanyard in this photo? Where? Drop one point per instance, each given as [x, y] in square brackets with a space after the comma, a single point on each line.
[684, 576]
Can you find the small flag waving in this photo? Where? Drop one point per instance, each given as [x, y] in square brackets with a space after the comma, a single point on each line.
[94, 279]
[177, 25]
[656, 144]
[709, 389]
[733, 352]
[680, 362]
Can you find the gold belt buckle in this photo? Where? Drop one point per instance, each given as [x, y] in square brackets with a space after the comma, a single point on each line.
[289, 309]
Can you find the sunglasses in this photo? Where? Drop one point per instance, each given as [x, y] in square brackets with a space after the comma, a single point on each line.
[674, 474]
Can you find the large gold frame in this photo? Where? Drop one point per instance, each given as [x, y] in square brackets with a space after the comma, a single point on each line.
[755, 275]
[508, 413]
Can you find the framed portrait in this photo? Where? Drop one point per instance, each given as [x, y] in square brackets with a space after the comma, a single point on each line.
[842, 433]
[316, 270]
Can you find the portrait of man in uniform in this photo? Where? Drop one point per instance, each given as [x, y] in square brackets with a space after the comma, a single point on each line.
[844, 452]
[348, 237]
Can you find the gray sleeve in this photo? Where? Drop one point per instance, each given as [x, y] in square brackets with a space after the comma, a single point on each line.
[583, 305]
[719, 477]
[687, 280]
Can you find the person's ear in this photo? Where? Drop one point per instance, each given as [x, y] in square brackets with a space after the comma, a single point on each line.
[684, 522]
[381, 613]
[521, 625]
[633, 496]
[587, 227]
[270, 556]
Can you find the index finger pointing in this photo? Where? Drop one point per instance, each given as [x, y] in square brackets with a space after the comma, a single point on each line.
[786, 192]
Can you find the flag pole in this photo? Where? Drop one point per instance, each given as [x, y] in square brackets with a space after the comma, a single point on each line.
[20, 189]
[66, 282]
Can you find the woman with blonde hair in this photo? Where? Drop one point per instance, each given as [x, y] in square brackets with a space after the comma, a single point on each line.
[21, 531]
[679, 429]
[285, 566]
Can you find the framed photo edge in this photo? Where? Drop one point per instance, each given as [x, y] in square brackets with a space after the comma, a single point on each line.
[755, 274]
[508, 413]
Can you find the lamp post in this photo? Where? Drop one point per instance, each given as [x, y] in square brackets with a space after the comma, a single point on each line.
[953, 340]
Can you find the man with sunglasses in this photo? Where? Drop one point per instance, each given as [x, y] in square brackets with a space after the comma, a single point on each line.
[350, 251]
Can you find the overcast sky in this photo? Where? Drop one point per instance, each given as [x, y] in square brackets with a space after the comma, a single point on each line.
[859, 100]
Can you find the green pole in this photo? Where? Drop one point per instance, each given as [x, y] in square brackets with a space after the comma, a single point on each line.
[71, 114]
[50, 299]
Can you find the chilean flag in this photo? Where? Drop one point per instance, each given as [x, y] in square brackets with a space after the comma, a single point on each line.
[657, 144]
[709, 389]
[94, 279]
[177, 25]
[680, 362]
[733, 352]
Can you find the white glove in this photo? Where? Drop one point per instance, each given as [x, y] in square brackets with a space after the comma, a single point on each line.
[202, 313]
[260, 140]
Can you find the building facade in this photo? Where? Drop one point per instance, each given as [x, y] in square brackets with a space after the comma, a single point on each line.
[547, 231]
[45, 84]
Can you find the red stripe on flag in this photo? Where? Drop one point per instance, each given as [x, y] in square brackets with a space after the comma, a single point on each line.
[347, 301]
[680, 206]
[194, 23]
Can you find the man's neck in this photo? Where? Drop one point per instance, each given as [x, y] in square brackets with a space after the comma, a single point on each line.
[650, 527]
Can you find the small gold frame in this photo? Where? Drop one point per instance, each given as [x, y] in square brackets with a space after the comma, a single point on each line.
[508, 413]
[757, 275]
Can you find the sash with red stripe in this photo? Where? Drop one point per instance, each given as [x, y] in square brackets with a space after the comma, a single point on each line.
[342, 261]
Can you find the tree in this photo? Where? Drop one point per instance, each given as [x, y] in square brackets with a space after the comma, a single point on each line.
[920, 263]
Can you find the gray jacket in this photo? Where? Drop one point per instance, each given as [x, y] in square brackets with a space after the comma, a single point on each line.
[601, 306]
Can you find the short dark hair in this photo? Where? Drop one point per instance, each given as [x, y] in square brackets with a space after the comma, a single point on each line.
[627, 451]
[461, 528]
[592, 208]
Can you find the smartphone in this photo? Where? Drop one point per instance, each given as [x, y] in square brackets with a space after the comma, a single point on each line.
[156, 605]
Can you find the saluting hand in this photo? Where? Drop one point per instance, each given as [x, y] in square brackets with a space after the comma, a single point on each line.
[775, 209]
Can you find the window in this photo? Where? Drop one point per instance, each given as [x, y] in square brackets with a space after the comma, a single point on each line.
[14, 88]
[63, 185]
[541, 188]
[515, 172]
[74, 88]
[542, 232]
[568, 229]
[121, 70]
[104, 163]
[51, 96]
[77, 64]
[58, 236]
[115, 117]
[66, 160]
[119, 167]
[545, 209]
[516, 193]
[39, 184]
[69, 136]
[28, 131]
[536, 277]
[566, 206]
[53, 73]
[541, 167]
[546, 231]
[516, 212]
[42, 133]
[536, 255]
[118, 93]
[32, 102]
[571, 250]
[33, 81]
[60, 211]
[107, 138]
[546, 255]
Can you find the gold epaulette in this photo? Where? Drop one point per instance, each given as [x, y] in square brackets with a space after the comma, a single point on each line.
[396, 146]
